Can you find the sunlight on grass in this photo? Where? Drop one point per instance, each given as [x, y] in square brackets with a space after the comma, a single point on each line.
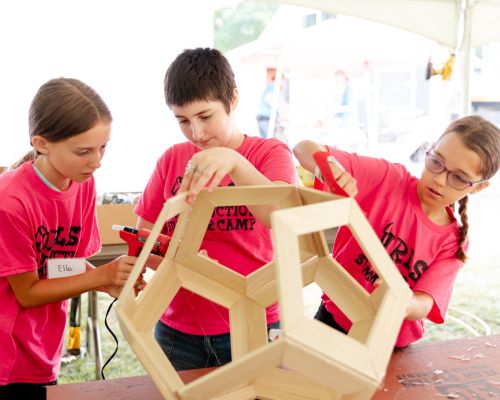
[125, 363]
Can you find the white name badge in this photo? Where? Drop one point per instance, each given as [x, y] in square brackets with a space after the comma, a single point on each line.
[62, 267]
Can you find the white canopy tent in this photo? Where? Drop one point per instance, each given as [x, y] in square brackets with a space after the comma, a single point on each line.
[345, 43]
[458, 24]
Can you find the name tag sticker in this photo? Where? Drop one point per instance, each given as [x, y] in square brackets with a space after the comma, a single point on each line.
[62, 267]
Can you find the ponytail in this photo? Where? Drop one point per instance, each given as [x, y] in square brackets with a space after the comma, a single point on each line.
[464, 228]
[30, 155]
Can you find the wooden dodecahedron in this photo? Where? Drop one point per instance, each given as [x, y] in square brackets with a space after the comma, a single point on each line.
[310, 360]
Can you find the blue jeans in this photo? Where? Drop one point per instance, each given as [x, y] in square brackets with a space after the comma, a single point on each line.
[187, 351]
[324, 316]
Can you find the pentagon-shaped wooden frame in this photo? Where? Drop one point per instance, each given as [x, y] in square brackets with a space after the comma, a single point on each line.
[311, 360]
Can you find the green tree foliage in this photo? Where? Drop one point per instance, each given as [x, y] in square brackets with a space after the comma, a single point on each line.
[240, 24]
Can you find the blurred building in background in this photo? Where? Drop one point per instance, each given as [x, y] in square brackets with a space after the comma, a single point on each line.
[394, 104]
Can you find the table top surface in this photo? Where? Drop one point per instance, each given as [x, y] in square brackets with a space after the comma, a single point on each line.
[462, 369]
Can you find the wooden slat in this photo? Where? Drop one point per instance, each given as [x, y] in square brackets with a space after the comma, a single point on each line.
[344, 290]
[373, 249]
[385, 329]
[286, 384]
[157, 295]
[317, 217]
[244, 393]
[344, 368]
[195, 228]
[152, 357]
[313, 196]
[208, 288]
[288, 271]
[261, 285]
[248, 327]
[332, 348]
[215, 271]
[238, 373]
[248, 195]
[171, 208]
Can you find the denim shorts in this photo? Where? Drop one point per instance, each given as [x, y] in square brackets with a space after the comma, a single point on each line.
[187, 351]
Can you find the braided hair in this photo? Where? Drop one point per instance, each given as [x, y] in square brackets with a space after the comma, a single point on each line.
[464, 227]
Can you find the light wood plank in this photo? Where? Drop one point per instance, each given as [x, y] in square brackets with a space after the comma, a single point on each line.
[344, 290]
[248, 327]
[238, 373]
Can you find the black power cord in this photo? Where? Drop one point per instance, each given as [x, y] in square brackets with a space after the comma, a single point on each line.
[114, 337]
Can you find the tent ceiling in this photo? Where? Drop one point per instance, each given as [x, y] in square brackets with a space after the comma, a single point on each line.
[436, 19]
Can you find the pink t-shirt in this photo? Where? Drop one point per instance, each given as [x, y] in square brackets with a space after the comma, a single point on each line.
[423, 252]
[37, 223]
[234, 237]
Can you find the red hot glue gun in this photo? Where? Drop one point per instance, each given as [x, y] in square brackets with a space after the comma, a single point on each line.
[324, 174]
[136, 238]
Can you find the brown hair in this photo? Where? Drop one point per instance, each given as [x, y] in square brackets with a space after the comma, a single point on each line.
[483, 138]
[199, 74]
[62, 108]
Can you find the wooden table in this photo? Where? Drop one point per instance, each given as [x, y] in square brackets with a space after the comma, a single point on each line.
[464, 369]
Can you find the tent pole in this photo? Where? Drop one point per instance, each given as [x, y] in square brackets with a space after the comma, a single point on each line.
[466, 48]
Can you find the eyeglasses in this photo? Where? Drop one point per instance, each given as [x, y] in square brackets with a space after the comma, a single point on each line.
[435, 166]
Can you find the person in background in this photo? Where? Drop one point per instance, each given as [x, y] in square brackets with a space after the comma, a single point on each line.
[266, 106]
[48, 211]
[266, 102]
[201, 92]
[346, 115]
[414, 218]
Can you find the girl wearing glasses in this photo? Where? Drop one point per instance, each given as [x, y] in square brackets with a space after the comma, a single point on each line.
[414, 218]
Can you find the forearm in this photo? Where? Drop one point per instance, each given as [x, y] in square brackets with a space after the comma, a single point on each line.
[209, 167]
[142, 223]
[48, 291]
[245, 173]
[419, 307]
[304, 151]
[263, 213]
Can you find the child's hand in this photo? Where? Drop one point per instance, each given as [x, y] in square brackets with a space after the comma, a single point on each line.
[345, 180]
[206, 169]
[117, 271]
[139, 286]
[114, 291]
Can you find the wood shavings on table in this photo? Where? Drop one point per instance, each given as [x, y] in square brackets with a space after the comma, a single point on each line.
[449, 396]
[460, 357]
